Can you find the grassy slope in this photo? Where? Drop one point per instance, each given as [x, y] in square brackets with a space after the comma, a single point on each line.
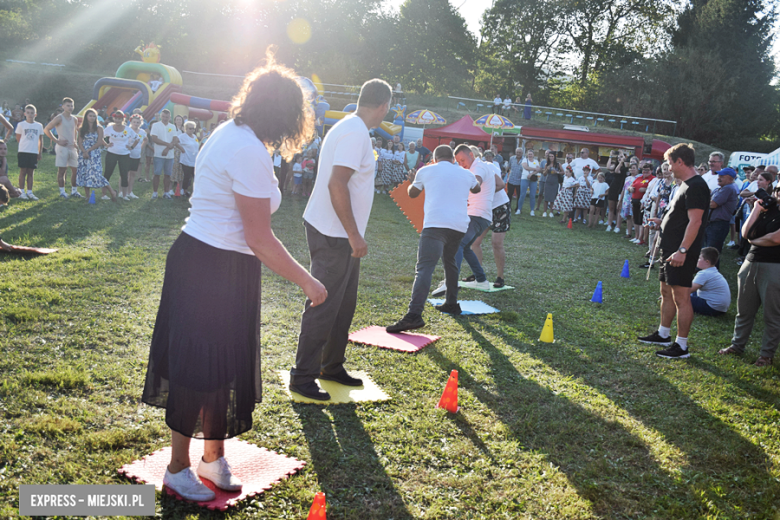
[592, 426]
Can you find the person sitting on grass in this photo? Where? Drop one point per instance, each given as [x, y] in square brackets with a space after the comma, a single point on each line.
[710, 293]
[447, 187]
[4, 198]
[4, 181]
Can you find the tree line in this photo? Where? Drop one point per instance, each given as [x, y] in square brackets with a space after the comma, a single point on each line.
[703, 63]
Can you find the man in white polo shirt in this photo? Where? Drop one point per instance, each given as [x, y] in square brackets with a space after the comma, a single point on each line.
[335, 220]
[447, 187]
[716, 165]
[480, 215]
[583, 160]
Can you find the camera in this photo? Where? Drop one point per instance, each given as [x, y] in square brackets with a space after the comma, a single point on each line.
[767, 200]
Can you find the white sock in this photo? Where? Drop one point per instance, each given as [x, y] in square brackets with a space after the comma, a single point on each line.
[683, 342]
[74, 189]
[62, 190]
[664, 332]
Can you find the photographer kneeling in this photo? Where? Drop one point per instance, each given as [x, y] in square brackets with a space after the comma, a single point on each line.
[759, 279]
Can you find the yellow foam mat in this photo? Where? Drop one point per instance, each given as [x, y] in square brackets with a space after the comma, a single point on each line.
[339, 394]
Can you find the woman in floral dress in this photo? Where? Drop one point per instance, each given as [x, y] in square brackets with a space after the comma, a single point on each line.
[90, 170]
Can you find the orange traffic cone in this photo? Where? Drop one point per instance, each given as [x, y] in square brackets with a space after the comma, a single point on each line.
[317, 511]
[178, 191]
[569, 224]
[449, 398]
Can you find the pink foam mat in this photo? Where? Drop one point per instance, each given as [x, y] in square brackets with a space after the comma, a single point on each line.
[403, 341]
[258, 469]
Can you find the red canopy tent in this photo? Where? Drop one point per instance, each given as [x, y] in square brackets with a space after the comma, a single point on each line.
[461, 130]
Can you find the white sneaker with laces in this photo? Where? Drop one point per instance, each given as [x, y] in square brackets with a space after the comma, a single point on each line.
[731, 244]
[105, 197]
[23, 196]
[133, 195]
[617, 230]
[219, 472]
[485, 286]
[154, 195]
[532, 213]
[187, 484]
[609, 228]
[544, 214]
[128, 199]
[517, 212]
[76, 194]
[441, 289]
[31, 196]
[167, 196]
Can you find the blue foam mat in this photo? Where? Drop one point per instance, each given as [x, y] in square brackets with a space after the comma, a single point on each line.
[469, 306]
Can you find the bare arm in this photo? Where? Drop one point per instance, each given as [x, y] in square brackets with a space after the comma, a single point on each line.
[499, 184]
[695, 287]
[746, 193]
[256, 218]
[47, 130]
[4, 122]
[342, 204]
[769, 240]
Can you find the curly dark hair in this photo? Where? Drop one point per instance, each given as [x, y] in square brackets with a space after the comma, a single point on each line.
[271, 102]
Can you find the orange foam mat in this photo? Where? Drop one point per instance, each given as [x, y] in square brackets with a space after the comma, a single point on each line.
[258, 469]
[403, 341]
[412, 208]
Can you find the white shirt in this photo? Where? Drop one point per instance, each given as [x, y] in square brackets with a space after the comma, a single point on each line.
[578, 163]
[119, 140]
[400, 157]
[277, 160]
[164, 133]
[191, 146]
[297, 169]
[135, 153]
[569, 182]
[599, 189]
[507, 103]
[232, 161]
[481, 204]
[714, 289]
[500, 197]
[386, 154]
[446, 187]
[346, 144]
[497, 101]
[527, 171]
[711, 178]
[155, 84]
[31, 134]
[650, 192]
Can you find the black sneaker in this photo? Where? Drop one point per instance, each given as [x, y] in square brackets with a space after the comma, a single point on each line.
[656, 339]
[408, 322]
[310, 390]
[470, 278]
[499, 283]
[342, 378]
[449, 308]
[673, 352]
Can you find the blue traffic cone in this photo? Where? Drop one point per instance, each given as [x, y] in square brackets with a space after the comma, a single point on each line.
[92, 197]
[625, 273]
[597, 294]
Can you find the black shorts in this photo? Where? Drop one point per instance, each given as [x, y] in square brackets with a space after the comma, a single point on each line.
[501, 218]
[27, 160]
[636, 211]
[681, 276]
[134, 164]
[599, 203]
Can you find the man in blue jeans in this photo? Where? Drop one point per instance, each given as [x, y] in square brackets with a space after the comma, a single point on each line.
[722, 206]
[447, 188]
[480, 213]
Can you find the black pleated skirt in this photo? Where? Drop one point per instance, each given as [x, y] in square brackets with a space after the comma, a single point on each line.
[204, 362]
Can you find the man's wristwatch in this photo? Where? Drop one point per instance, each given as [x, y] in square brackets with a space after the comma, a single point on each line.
[683, 250]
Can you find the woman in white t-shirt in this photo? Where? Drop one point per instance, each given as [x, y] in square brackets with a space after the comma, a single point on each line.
[121, 139]
[204, 362]
[188, 147]
[136, 120]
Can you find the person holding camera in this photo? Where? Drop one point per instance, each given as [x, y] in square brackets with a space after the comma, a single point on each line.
[758, 281]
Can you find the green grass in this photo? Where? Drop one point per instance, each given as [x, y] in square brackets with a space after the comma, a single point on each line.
[592, 426]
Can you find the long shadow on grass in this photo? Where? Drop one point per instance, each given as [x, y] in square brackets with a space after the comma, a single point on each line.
[347, 465]
[718, 457]
[755, 391]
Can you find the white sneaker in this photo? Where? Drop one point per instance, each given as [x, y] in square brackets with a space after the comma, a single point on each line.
[517, 212]
[76, 194]
[551, 215]
[441, 289]
[23, 196]
[609, 228]
[601, 222]
[63, 195]
[544, 214]
[154, 195]
[128, 199]
[105, 197]
[133, 195]
[731, 244]
[31, 196]
[532, 213]
[187, 484]
[484, 286]
[219, 472]
[617, 230]
[635, 240]
[168, 196]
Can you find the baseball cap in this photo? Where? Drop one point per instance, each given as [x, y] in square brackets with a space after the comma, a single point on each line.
[728, 171]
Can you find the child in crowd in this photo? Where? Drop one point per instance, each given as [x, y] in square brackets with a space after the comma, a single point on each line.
[624, 203]
[582, 198]
[29, 135]
[564, 202]
[710, 293]
[308, 172]
[597, 199]
[297, 174]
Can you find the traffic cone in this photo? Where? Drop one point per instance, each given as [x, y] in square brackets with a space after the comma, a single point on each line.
[92, 197]
[178, 191]
[449, 398]
[317, 511]
[569, 224]
[547, 331]
[597, 294]
[625, 272]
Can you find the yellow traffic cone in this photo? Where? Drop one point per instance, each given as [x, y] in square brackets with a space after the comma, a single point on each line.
[547, 331]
